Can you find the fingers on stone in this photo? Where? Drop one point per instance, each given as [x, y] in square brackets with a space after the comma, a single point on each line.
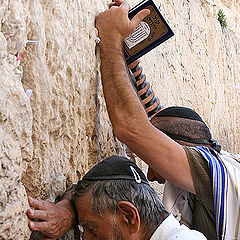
[38, 214]
[29, 200]
[30, 213]
[116, 3]
[125, 6]
[39, 226]
[37, 204]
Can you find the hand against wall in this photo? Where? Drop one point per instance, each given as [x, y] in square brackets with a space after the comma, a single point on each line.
[114, 25]
[52, 220]
[116, 3]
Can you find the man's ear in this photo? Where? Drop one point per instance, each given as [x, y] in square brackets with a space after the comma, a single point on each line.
[129, 214]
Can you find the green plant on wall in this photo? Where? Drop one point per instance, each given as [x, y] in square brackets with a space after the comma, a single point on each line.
[222, 19]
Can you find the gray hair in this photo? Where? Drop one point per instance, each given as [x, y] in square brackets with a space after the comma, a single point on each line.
[106, 194]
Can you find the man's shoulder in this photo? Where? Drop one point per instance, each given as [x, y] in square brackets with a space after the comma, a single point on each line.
[199, 169]
[202, 153]
[171, 229]
[193, 153]
[227, 155]
[230, 160]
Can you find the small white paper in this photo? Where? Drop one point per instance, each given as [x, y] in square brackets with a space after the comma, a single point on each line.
[29, 93]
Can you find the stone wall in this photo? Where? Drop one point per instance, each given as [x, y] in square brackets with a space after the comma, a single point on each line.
[49, 138]
[199, 67]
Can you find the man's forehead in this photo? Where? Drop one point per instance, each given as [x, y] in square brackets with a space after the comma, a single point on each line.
[82, 205]
[85, 216]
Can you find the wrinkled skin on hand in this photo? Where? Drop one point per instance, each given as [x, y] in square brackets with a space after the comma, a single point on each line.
[52, 220]
[114, 25]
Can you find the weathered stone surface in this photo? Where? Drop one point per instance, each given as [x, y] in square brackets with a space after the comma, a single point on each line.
[198, 68]
[15, 148]
[49, 140]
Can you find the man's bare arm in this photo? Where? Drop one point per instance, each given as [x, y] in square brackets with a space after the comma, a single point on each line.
[128, 117]
[52, 220]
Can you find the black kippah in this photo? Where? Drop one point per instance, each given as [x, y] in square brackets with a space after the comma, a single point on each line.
[181, 112]
[116, 168]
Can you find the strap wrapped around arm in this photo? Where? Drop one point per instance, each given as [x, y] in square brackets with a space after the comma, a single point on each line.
[149, 100]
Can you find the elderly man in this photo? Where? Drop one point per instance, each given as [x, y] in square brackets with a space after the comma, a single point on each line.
[115, 201]
[116, 194]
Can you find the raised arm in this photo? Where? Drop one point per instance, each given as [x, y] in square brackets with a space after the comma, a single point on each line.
[147, 96]
[128, 117]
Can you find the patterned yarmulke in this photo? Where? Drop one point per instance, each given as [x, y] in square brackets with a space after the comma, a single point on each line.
[116, 168]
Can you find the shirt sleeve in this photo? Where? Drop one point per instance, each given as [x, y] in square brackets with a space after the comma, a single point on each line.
[200, 174]
[203, 210]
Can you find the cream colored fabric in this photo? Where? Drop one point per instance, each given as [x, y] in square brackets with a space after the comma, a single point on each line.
[170, 229]
[233, 195]
[177, 202]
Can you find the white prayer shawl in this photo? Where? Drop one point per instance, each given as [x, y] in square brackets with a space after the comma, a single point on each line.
[225, 177]
[170, 229]
[176, 201]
